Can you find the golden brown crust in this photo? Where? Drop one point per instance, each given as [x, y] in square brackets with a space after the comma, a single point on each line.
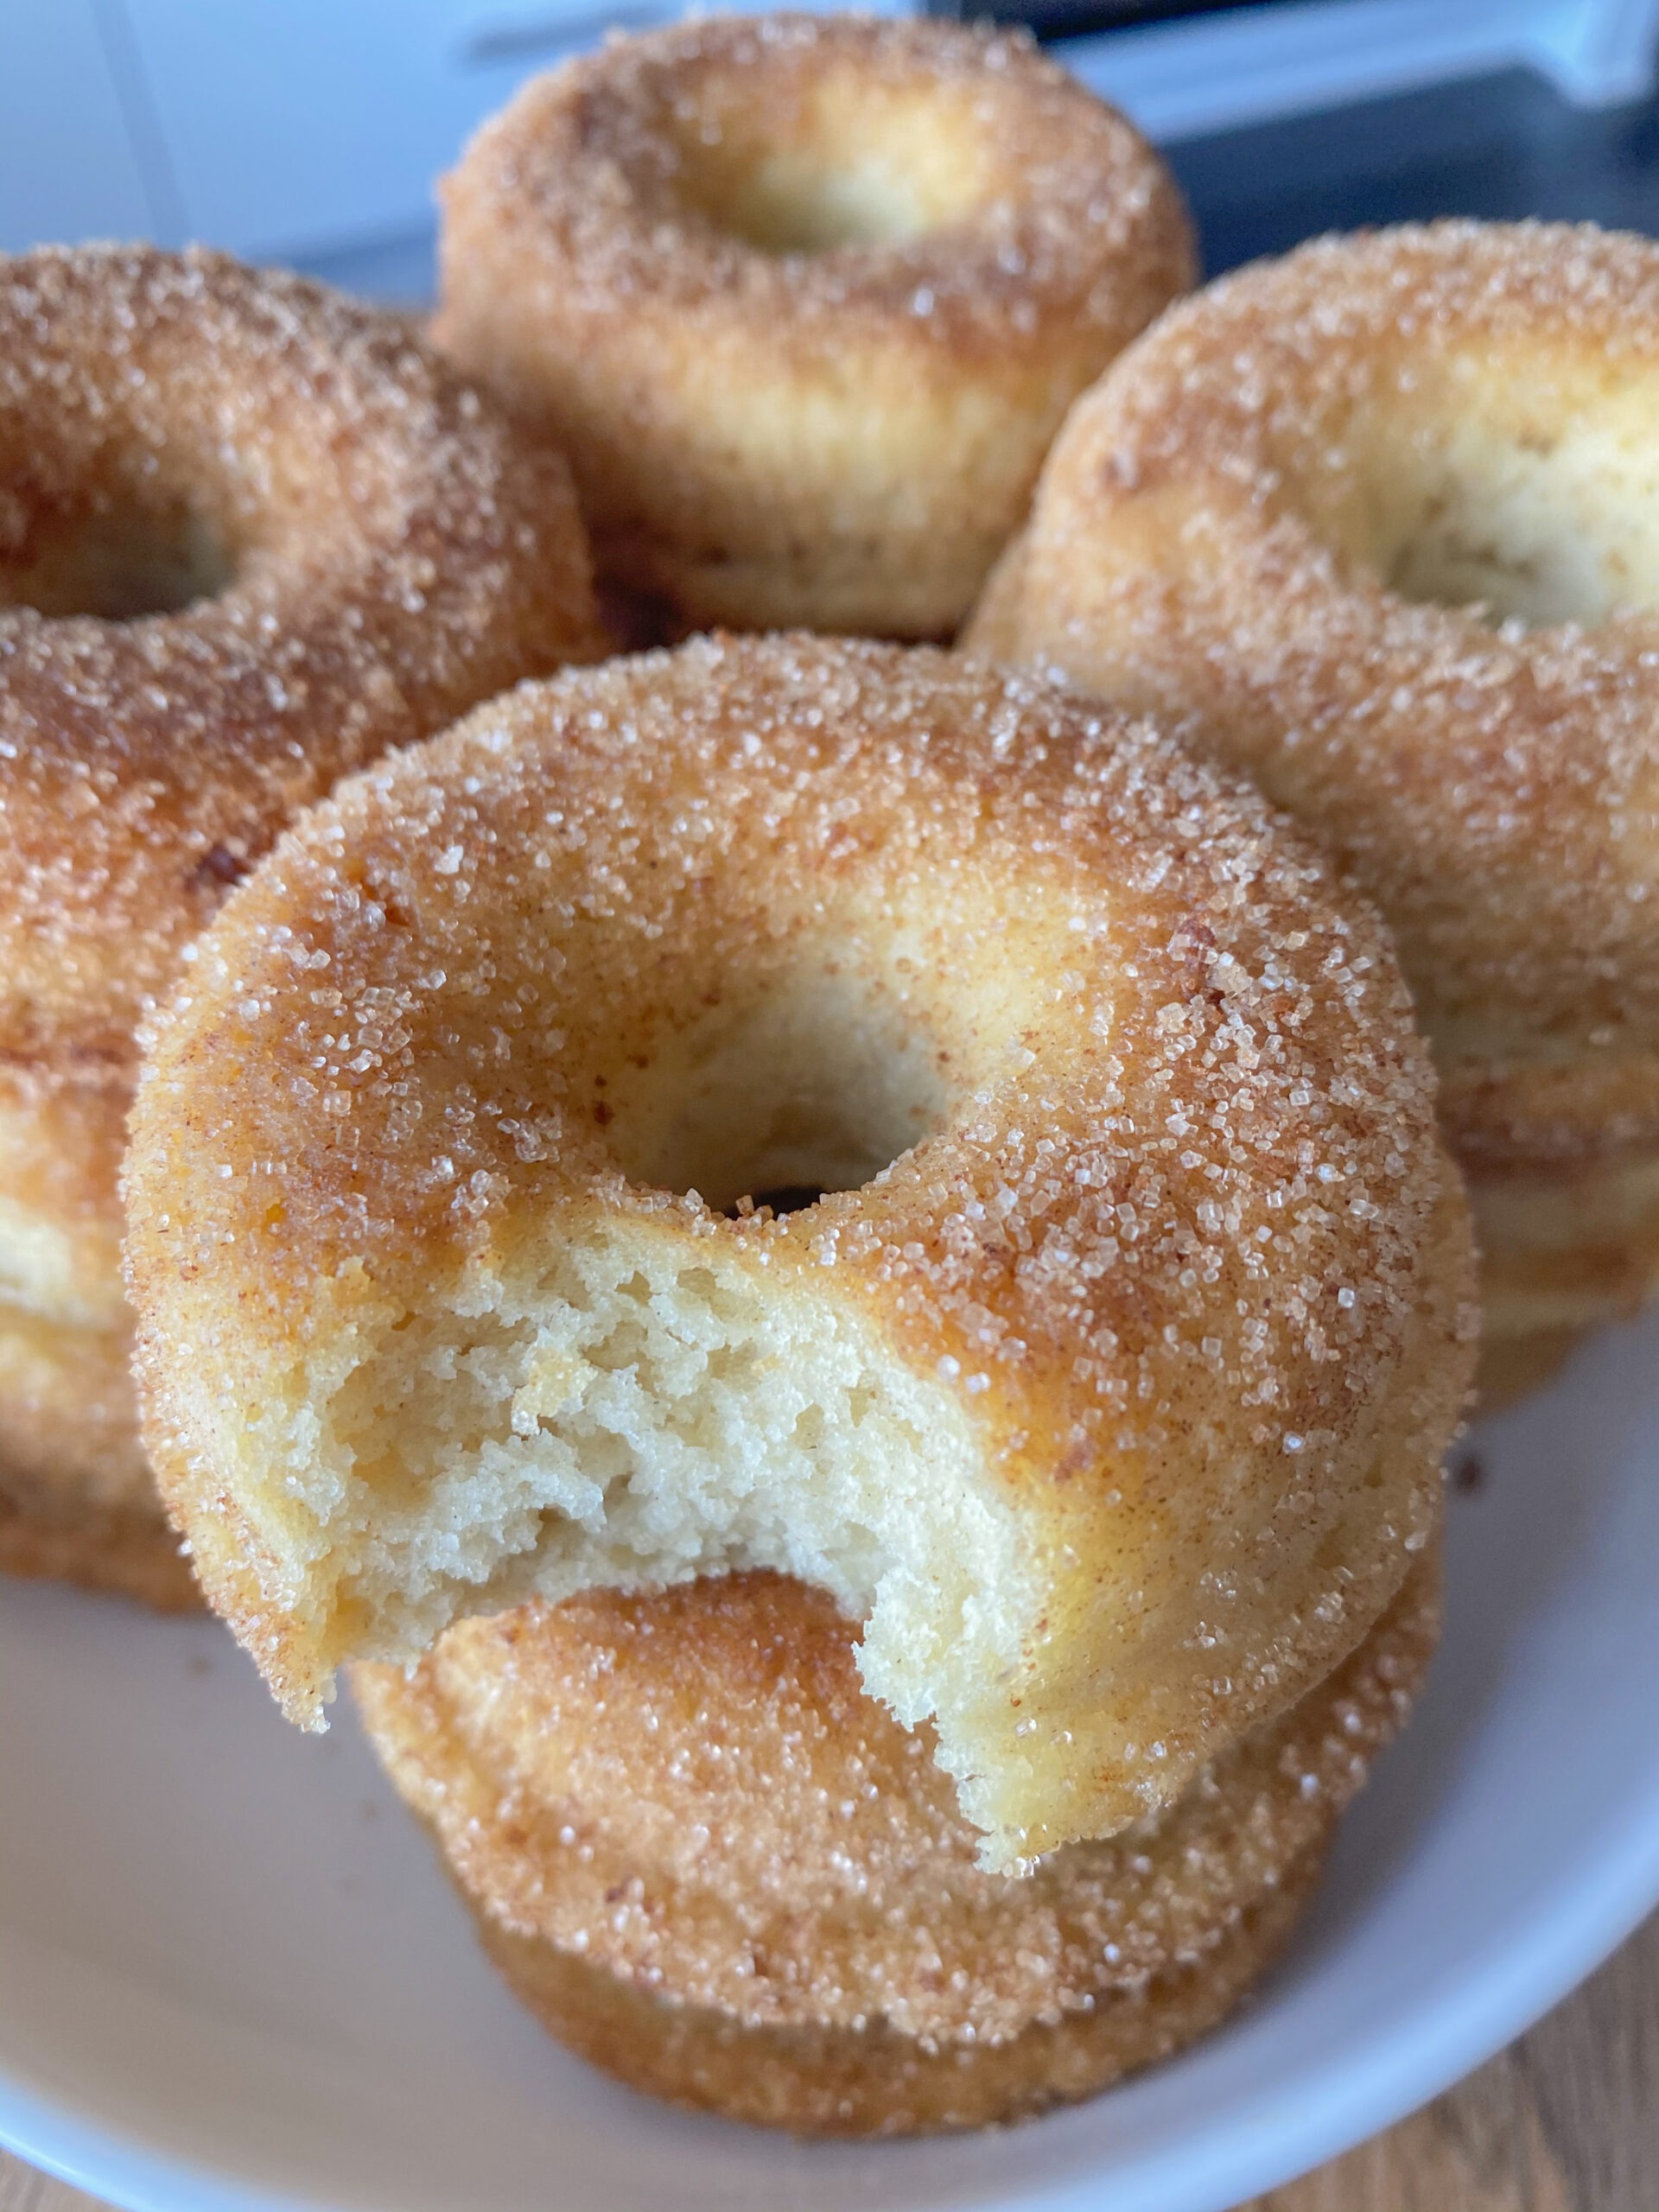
[688, 1794]
[828, 2081]
[804, 298]
[1236, 530]
[396, 552]
[1180, 1262]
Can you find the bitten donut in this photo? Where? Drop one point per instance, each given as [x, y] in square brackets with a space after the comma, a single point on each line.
[716, 1868]
[1379, 522]
[1106, 1382]
[804, 298]
[250, 535]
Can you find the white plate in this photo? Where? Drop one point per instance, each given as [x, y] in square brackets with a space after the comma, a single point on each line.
[232, 1976]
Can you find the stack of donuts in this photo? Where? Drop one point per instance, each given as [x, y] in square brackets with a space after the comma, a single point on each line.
[827, 1259]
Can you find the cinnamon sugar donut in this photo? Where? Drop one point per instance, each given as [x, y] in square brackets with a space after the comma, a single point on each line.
[716, 1868]
[804, 298]
[1380, 522]
[250, 535]
[1107, 1380]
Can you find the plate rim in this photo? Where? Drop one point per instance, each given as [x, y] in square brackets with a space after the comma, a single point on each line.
[1261, 2145]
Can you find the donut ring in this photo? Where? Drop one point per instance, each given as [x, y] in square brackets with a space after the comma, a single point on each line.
[1130, 1326]
[386, 553]
[804, 298]
[250, 535]
[715, 1866]
[1375, 523]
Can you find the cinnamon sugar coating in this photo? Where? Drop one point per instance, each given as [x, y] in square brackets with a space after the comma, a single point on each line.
[1376, 523]
[1108, 1380]
[719, 1869]
[816, 2081]
[390, 552]
[804, 298]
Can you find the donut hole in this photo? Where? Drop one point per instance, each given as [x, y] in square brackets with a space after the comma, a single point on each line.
[1535, 521]
[787, 1198]
[119, 557]
[849, 170]
[790, 203]
[811, 1089]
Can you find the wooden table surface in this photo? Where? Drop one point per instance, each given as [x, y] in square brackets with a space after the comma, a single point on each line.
[1566, 2120]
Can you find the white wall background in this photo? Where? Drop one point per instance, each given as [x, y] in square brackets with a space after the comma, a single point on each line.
[311, 129]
